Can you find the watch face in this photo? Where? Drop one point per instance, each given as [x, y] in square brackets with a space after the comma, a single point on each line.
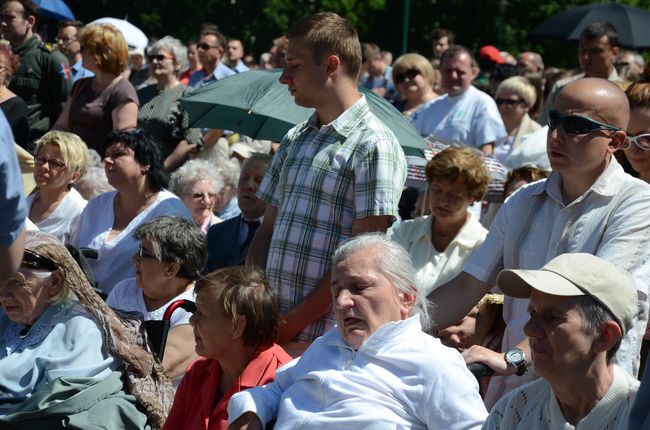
[515, 356]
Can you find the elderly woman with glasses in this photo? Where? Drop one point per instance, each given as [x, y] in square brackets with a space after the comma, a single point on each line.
[161, 113]
[414, 79]
[53, 325]
[134, 168]
[198, 184]
[514, 97]
[171, 255]
[637, 148]
[61, 159]
[106, 101]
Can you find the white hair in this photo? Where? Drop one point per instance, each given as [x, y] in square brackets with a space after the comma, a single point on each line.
[394, 262]
[193, 171]
[174, 47]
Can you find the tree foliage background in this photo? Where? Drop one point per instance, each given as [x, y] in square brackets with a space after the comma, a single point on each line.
[258, 22]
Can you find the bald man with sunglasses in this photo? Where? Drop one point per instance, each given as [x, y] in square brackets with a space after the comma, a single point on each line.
[587, 205]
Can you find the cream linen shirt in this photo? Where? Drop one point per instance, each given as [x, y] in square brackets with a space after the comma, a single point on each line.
[435, 268]
[610, 220]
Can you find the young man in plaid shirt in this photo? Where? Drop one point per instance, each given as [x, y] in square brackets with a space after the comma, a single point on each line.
[337, 175]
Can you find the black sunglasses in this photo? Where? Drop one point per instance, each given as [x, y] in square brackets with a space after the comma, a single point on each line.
[159, 58]
[508, 102]
[577, 124]
[34, 260]
[205, 46]
[410, 73]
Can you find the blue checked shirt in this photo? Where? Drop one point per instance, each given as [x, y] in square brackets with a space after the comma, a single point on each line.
[321, 180]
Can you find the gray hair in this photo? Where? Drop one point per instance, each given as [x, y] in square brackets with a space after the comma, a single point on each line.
[229, 169]
[195, 170]
[176, 240]
[594, 315]
[174, 47]
[394, 262]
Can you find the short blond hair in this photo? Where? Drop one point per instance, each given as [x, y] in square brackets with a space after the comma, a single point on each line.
[521, 87]
[414, 61]
[73, 149]
[107, 45]
[460, 163]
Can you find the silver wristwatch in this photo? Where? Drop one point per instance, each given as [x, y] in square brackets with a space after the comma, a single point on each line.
[517, 358]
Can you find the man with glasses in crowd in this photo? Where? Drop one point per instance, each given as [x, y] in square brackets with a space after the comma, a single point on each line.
[210, 50]
[43, 78]
[69, 46]
[588, 204]
[465, 114]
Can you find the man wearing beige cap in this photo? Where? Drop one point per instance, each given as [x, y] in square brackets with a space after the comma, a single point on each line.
[580, 308]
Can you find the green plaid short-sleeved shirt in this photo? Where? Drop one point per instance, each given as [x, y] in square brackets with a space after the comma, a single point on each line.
[321, 180]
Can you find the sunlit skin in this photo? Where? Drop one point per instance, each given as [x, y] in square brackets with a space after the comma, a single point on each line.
[364, 299]
[305, 78]
[639, 158]
[511, 114]
[210, 342]
[457, 74]
[250, 179]
[26, 295]
[201, 207]
[14, 26]
[460, 335]
[121, 166]
[50, 171]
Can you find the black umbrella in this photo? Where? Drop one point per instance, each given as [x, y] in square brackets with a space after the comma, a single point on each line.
[632, 24]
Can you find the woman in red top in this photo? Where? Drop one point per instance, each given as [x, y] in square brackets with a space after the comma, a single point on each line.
[235, 326]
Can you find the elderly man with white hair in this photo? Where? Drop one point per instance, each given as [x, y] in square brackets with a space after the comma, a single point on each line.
[580, 308]
[377, 368]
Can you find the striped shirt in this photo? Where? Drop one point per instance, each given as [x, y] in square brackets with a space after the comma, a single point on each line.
[321, 180]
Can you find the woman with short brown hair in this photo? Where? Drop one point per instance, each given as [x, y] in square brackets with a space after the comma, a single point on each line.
[440, 243]
[107, 101]
[235, 327]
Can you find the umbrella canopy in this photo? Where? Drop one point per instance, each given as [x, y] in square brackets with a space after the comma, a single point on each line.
[133, 35]
[256, 104]
[55, 9]
[632, 24]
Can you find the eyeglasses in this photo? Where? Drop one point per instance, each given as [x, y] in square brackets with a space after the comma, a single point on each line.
[54, 164]
[642, 141]
[144, 254]
[65, 40]
[34, 260]
[508, 102]
[197, 197]
[410, 74]
[159, 58]
[577, 124]
[205, 46]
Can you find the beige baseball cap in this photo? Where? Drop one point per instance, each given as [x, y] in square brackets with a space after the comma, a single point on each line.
[578, 275]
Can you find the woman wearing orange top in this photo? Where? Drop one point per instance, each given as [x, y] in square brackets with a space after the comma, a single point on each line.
[235, 325]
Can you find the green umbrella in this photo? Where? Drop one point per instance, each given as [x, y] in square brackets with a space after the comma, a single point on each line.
[256, 104]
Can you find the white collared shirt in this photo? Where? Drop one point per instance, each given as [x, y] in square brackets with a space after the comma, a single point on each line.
[436, 268]
[610, 220]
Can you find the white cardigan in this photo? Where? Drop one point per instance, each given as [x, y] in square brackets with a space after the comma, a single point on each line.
[399, 378]
[534, 406]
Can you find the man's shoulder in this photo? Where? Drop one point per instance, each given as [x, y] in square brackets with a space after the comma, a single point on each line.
[226, 225]
[566, 81]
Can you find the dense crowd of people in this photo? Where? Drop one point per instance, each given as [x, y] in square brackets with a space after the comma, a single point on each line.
[317, 282]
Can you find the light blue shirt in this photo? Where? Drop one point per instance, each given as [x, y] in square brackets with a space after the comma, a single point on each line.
[64, 341]
[13, 209]
[231, 210]
[79, 71]
[199, 80]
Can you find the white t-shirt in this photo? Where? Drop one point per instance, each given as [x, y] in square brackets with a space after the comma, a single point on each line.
[127, 296]
[471, 118]
[64, 217]
[96, 221]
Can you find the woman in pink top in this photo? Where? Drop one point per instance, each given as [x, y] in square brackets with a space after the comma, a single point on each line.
[235, 325]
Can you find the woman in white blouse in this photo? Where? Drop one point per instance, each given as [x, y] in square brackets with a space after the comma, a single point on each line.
[61, 159]
[440, 243]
